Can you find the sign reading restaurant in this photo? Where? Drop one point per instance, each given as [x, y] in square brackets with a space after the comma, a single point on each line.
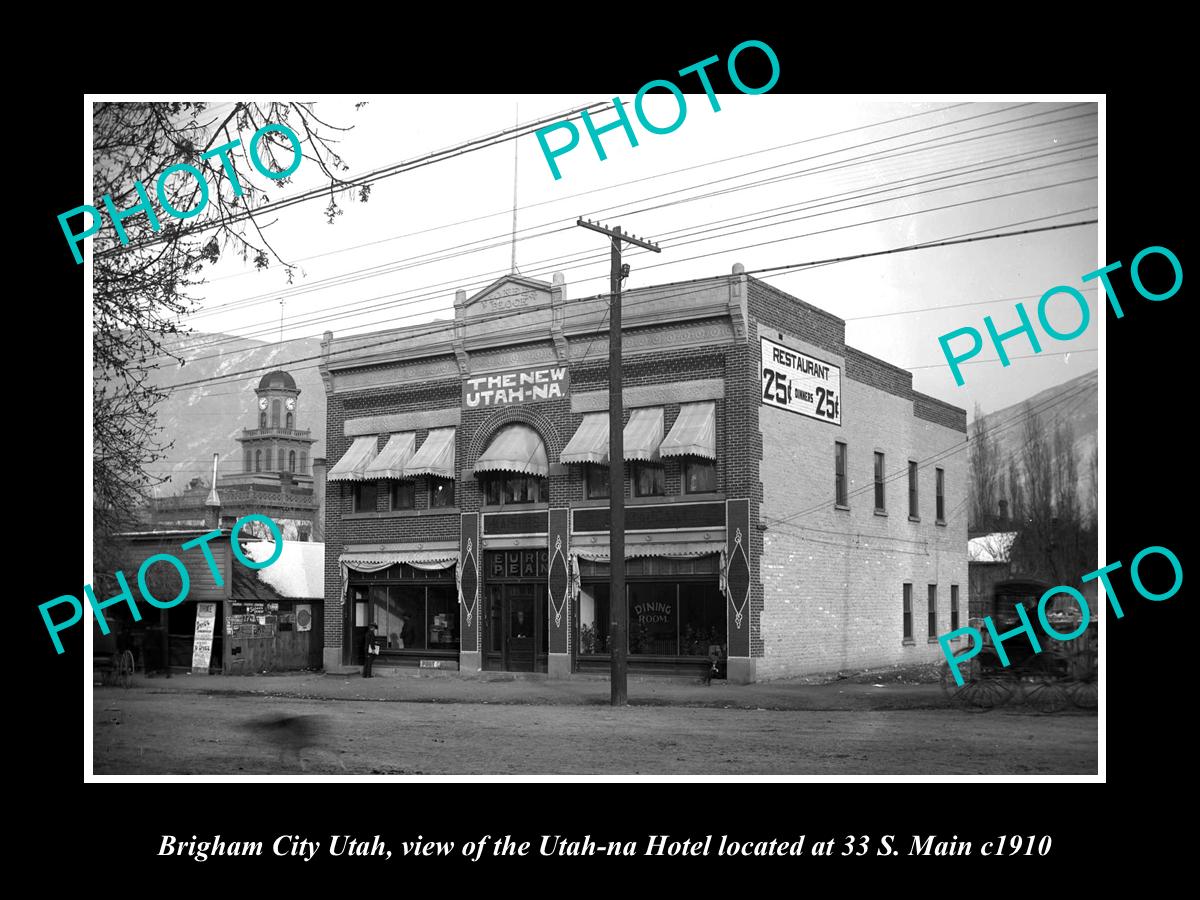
[517, 386]
[800, 383]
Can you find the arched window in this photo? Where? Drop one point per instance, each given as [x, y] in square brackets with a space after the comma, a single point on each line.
[275, 406]
[268, 468]
[247, 462]
[289, 420]
[258, 459]
[291, 459]
[303, 462]
[262, 419]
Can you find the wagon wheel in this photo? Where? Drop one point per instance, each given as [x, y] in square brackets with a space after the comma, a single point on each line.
[110, 676]
[125, 671]
[982, 688]
[1046, 694]
[1082, 688]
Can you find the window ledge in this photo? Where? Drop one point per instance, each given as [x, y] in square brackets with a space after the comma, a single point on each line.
[908, 643]
[840, 506]
[932, 640]
[914, 518]
[402, 513]
[941, 522]
[881, 512]
[515, 507]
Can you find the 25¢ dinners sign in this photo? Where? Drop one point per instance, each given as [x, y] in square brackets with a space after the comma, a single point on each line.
[800, 383]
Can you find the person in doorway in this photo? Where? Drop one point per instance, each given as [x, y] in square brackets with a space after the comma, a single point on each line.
[520, 628]
[370, 648]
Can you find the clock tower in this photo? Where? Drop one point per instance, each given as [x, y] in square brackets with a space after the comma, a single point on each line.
[275, 443]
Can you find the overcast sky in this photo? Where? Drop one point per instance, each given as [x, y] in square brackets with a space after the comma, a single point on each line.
[1048, 147]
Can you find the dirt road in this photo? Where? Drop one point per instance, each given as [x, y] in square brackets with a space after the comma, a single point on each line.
[342, 727]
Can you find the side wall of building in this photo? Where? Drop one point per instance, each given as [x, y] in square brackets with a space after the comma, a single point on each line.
[832, 579]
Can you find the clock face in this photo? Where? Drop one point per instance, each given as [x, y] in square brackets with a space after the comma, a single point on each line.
[291, 403]
[262, 402]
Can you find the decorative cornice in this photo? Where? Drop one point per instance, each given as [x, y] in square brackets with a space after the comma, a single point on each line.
[408, 421]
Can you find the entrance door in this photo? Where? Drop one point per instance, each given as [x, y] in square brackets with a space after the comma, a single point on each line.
[520, 627]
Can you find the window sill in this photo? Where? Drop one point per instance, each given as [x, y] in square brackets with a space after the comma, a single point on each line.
[402, 513]
[881, 512]
[932, 640]
[941, 522]
[841, 507]
[914, 518]
[908, 643]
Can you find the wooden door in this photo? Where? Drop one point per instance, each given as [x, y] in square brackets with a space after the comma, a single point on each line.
[521, 627]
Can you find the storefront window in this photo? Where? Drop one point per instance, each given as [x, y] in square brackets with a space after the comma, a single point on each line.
[412, 616]
[649, 481]
[594, 619]
[653, 619]
[699, 476]
[515, 489]
[597, 481]
[666, 617]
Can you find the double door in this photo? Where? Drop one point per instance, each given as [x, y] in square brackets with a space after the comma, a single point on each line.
[518, 640]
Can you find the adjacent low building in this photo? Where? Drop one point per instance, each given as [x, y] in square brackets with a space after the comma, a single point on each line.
[792, 504]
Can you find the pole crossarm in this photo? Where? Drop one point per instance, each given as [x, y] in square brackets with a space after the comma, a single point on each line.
[617, 233]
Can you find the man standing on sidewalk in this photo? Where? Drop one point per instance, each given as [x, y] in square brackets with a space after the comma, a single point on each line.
[370, 648]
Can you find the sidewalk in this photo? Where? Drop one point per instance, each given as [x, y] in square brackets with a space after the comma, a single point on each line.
[507, 689]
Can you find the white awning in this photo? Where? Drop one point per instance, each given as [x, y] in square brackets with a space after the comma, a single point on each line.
[589, 444]
[643, 434]
[392, 458]
[350, 467]
[694, 432]
[436, 456]
[676, 550]
[517, 448]
[420, 559]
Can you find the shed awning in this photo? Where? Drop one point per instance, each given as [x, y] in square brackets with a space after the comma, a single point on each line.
[351, 466]
[420, 559]
[694, 432]
[589, 444]
[391, 459]
[643, 434]
[436, 456]
[517, 448]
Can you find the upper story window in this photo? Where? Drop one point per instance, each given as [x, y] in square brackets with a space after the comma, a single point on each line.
[699, 475]
[364, 494]
[258, 460]
[841, 494]
[596, 481]
[275, 408]
[880, 497]
[441, 492]
[402, 495]
[941, 495]
[914, 509]
[512, 490]
[262, 419]
[648, 480]
[291, 460]
[289, 420]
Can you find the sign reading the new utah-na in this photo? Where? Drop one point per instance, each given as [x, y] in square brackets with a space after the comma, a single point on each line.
[800, 383]
[517, 386]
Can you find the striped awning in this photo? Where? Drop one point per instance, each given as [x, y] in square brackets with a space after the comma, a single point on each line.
[643, 434]
[352, 465]
[517, 448]
[589, 444]
[436, 456]
[694, 432]
[391, 459]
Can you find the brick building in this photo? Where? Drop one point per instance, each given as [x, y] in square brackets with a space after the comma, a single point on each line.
[792, 503]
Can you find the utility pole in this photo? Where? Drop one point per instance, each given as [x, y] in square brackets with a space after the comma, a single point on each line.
[618, 642]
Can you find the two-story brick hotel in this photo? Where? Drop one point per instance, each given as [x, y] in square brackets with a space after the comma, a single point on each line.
[792, 503]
